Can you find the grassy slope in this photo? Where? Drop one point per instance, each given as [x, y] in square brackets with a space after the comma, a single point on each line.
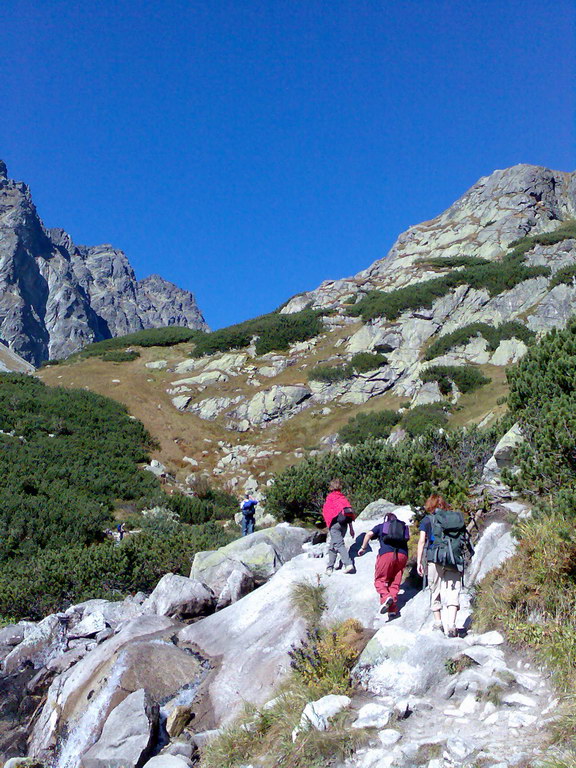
[143, 391]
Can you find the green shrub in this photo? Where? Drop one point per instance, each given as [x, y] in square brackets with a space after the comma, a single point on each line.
[493, 335]
[423, 419]
[364, 426]
[566, 275]
[404, 474]
[151, 337]
[120, 356]
[453, 261]
[362, 362]
[276, 332]
[54, 579]
[520, 247]
[330, 374]
[465, 377]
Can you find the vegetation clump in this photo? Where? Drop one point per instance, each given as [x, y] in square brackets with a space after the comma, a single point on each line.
[67, 457]
[493, 276]
[363, 426]
[425, 418]
[493, 335]
[361, 362]
[465, 377]
[150, 337]
[564, 276]
[120, 356]
[453, 261]
[404, 474]
[275, 332]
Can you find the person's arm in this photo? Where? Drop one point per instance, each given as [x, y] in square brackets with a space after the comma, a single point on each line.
[421, 547]
[367, 536]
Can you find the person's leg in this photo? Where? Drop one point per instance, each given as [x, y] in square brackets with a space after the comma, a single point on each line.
[244, 525]
[331, 551]
[251, 524]
[451, 581]
[397, 569]
[383, 575]
[434, 583]
[337, 533]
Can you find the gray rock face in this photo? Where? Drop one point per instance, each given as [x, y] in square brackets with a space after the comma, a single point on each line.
[55, 296]
[127, 735]
[269, 405]
[178, 596]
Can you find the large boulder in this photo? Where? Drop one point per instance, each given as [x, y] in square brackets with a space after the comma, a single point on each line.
[376, 511]
[258, 555]
[44, 641]
[138, 656]
[127, 736]
[179, 597]
[503, 456]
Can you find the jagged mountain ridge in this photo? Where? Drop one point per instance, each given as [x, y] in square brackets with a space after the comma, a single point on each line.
[56, 296]
[498, 209]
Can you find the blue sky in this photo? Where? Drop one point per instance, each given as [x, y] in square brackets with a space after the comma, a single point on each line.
[249, 149]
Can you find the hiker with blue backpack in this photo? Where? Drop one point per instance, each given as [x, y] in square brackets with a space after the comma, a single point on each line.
[248, 508]
[393, 535]
[441, 553]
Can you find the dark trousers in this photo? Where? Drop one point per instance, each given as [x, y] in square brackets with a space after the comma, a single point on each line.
[388, 576]
[248, 522]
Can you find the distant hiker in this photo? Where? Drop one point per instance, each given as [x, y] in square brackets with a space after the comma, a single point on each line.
[443, 539]
[248, 507]
[393, 535]
[121, 529]
[338, 516]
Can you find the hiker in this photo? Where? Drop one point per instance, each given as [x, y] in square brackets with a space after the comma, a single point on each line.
[121, 528]
[248, 507]
[393, 535]
[443, 538]
[338, 516]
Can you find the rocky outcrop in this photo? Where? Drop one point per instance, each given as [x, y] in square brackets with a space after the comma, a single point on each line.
[56, 296]
[268, 405]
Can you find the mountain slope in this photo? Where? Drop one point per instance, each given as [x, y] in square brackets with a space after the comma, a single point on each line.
[56, 297]
[242, 415]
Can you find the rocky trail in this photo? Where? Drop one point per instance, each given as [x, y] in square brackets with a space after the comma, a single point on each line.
[129, 683]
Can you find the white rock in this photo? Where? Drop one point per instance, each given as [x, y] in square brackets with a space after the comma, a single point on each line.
[176, 595]
[372, 716]
[519, 699]
[167, 761]
[389, 736]
[317, 713]
[89, 625]
[156, 364]
[520, 720]
[489, 638]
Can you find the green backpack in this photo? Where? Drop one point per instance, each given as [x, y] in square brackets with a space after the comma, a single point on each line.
[450, 539]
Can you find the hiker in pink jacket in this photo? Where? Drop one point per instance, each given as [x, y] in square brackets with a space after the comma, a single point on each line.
[338, 516]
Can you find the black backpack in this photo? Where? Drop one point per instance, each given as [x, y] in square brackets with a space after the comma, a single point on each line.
[393, 532]
[450, 539]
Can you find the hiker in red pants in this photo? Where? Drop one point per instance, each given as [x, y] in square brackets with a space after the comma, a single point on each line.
[392, 557]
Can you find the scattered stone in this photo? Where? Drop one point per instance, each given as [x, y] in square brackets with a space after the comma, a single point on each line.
[317, 713]
[178, 596]
[372, 716]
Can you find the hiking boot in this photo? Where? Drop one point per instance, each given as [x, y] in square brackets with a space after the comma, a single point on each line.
[349, 569]
[393, 614]
[438, 627]
[453, 632]
[329, 571]
[384, 608]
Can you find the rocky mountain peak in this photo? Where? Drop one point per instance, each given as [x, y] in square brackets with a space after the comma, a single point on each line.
[56, 296]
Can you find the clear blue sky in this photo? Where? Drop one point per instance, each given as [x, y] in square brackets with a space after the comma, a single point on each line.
[249, 149]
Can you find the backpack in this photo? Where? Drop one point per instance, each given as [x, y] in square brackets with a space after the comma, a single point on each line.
[393, 532]
[248, 507]
[450, 539]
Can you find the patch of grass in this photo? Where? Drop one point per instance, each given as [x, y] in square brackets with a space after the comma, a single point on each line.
[362, 362]
[493, 335]
[309, 600]
[563, 759]
[565, 231]
[465, 377]
[365, 426]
